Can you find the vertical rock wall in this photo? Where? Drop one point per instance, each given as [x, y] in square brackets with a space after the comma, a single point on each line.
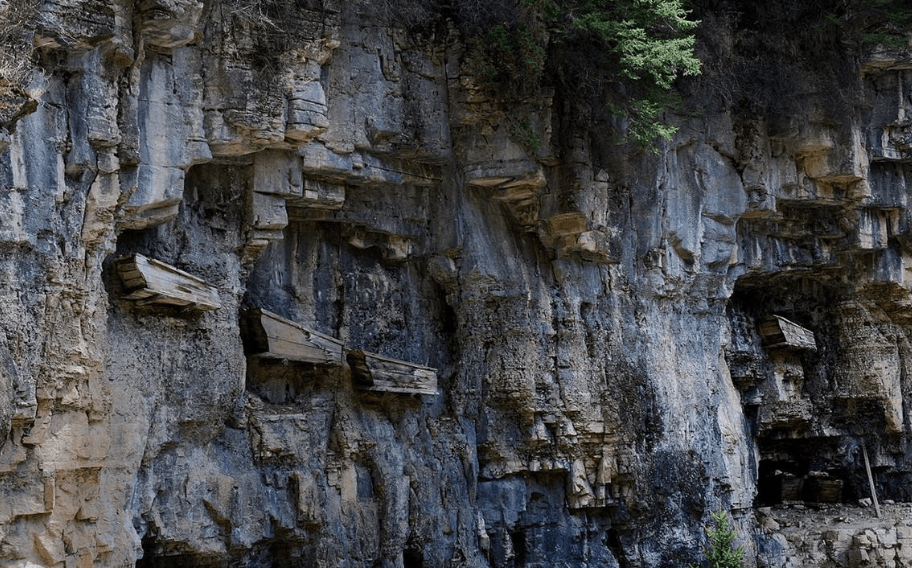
[591, 312]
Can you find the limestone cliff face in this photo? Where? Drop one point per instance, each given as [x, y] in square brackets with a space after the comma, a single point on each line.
[593, 312]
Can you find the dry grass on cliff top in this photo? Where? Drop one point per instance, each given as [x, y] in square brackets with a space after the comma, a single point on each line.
[18, 19]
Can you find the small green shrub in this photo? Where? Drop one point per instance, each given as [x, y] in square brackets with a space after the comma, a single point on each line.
[524, 134]
[719, 553]
[646, 123]
[896, 14]
[883, 22]
[893, 18]
[508, 57]
[888, 39]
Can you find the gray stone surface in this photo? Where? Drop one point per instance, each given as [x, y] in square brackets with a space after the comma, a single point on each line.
[591, 310]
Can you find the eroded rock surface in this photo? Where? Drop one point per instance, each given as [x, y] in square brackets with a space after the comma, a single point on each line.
[591, 311]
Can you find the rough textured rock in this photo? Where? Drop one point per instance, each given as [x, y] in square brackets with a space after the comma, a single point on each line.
[837, 536]
[591, 310]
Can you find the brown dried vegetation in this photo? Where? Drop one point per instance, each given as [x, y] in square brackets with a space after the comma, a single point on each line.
[18, 19]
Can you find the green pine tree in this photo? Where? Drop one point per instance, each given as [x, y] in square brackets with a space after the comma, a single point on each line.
[647, 44]
[720, 553]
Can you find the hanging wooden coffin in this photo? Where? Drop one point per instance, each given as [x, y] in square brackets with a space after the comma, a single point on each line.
[381, 374]
[152, 282]
[780, 333]
[271, 336]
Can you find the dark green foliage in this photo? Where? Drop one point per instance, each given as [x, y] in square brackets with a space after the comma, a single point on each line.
[630, 51]
[866, 22]
[890, 22]
[645, 45]
[650, 38]
[510, 53]
[645, 115]
[719, 553]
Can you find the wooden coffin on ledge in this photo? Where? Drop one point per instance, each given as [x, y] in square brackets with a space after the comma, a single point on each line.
[780, 333]
[382, 374]
[271, 336]
[151, 282]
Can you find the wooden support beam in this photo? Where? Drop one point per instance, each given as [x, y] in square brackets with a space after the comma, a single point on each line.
[864, 451]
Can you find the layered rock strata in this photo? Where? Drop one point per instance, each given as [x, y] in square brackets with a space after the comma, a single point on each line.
[592, 312]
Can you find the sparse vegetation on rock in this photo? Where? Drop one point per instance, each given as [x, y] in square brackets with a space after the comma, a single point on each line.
[720, 553]
[17, 28]
[643, 47]
[636, 50]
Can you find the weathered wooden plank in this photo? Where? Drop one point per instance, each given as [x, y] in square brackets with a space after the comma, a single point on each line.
[374, 372]
[864, 451]
[778, 332]
[399, 390]
[270, 334]
[154, 282]
[376, 359]
[140, 294]
[400, 376]
[391, 385]
[826, 490]
[281, 328]
[150, 268]
[155, 276]
[160, 300]
[792, 488]
[301, 352]
[134, 283]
